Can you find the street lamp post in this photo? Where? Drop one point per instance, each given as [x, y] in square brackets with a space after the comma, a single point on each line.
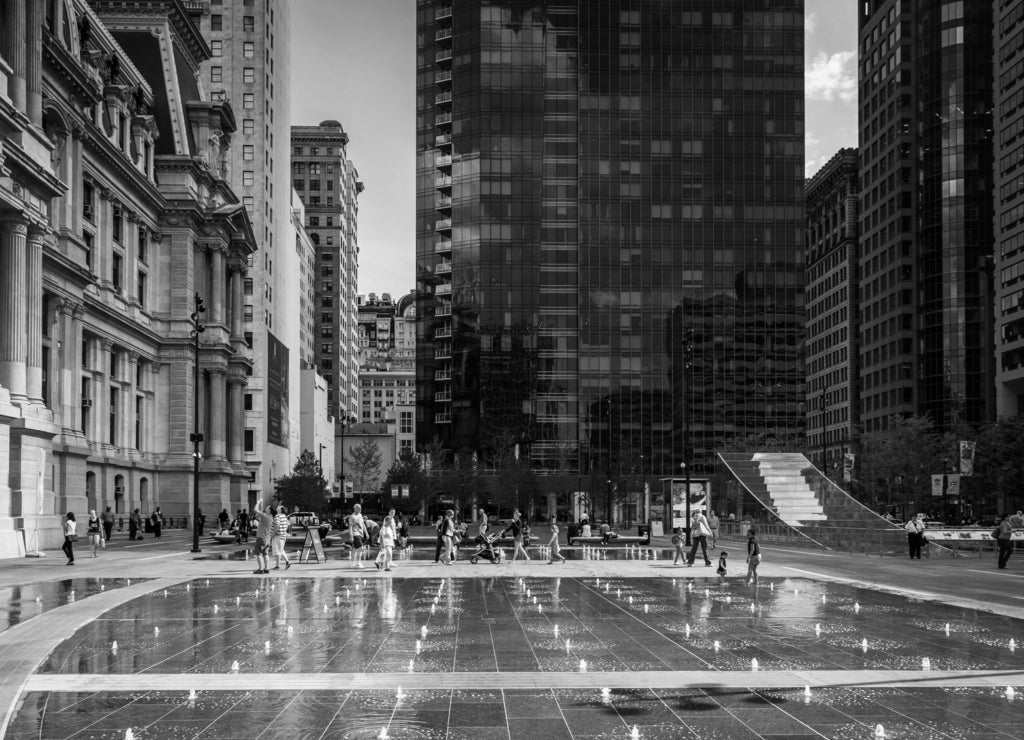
[608, 466]
[346, 421]
[197, 328]
[687, 366]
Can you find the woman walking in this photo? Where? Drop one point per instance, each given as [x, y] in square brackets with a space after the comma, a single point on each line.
[753, 556]
[1004, 533]
[699, 533]
[517, 536]
[448, 534]
[388, 533]
[93, 530]
[556, 553]
[70, 536]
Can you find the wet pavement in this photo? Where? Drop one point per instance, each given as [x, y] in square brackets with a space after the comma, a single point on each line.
[827, 646]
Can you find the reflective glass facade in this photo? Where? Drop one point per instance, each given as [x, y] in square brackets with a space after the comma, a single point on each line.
[596, 182]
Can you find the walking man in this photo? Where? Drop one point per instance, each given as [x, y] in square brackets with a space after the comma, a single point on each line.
[280, 536]
[915, 530]
[134, 525]
[108, 524]
[264, 533]
[158, 522]
[713, 524]
[1004, 532]
[699, 533]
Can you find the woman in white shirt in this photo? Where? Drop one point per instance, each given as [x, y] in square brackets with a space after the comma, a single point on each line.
[356, 534]
[388, 533]
[70, 536]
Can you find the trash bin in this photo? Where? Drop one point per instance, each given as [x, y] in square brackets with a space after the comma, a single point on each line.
[644, 530]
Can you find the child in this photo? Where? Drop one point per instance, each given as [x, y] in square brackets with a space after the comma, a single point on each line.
[677, 541]
[556, 555]
[721, 563]
[753, 556]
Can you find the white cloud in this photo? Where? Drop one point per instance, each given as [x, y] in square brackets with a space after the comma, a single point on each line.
[832, 77]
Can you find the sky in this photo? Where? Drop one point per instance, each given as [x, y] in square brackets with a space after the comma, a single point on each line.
[355, 61]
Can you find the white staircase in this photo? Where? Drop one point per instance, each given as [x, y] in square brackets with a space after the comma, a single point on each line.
[794, 499]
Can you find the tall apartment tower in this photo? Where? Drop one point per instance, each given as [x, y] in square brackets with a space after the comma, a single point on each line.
[610, 228]
[329, 186]
[833, 398]
[926, 211]
[250, 67]
[1009, 206]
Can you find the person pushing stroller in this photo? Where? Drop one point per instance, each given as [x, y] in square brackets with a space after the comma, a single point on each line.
[485, 543]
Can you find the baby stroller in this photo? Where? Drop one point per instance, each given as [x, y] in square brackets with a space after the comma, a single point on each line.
[485, 549]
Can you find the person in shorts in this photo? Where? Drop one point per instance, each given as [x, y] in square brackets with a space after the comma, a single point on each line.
[264, 537]
[281, 524]
[356, 535]
[753, 556]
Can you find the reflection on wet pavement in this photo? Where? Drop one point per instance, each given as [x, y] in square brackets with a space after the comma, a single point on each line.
[572, 714]
[21, 603]
[501, 624]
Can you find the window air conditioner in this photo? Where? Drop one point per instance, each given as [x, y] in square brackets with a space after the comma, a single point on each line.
[86, 403]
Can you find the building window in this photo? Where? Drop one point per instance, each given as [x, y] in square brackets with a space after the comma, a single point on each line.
[248, 202]
[314, 222]
[118, 226]
[248, 100]
[248, 339]
[217, 48]
[248, 152]
[88, 202]
[141, 287]
[247, 312]
[116, 271]
[248, 23]
[216, 23]
[216, 74]
[248, 178]
[143, 245]
[248, 126]
[247, 402]
[299, 184]
[314, 168]
[247, 286]
[330, 220]
[249, 50]
[405, 425]
[314, 184]
[250, 444]
[88, 238]
[248, 75]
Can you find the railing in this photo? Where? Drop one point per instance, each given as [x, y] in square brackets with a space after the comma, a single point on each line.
[445, 11]
[444, 160]
[443, 396]
[445, 309]
[444, 418]
[444, 75]
[443, 333]
[443, 224]
[443, 246]
[443, 203]
[443, 375]
[443, 181]
[444, 289]
[443, 352]
[445, 55]
[442, 139]
[443, 267]
[444, 33]
[443, 97]
[442, 118]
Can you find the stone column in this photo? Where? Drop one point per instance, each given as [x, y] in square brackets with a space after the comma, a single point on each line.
[74, 195]
[34, 62]
[34, 315]
[101, 406]
[236, 417]
[14, 292]
[236, 304]
[70, 365]
[129, 416]
[217, 309]
[218, 413]
[15, 50]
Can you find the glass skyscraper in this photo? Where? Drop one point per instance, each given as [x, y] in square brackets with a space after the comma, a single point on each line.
[610, 228]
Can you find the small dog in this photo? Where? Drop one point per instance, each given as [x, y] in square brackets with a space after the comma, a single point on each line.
[721, 563]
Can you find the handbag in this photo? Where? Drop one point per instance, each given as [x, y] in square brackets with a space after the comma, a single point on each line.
[72, 538]
[995, 533]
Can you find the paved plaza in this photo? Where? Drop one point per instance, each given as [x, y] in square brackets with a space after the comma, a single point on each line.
[146, 641]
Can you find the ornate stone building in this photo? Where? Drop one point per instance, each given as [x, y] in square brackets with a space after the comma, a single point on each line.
[116, 211]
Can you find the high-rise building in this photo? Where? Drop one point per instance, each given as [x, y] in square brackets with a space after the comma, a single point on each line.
[115, 212]
[926, 211]
[249, 66]
[387, 332]
[1009, 205]
[833, 399]
[610, 228]
[329, 186]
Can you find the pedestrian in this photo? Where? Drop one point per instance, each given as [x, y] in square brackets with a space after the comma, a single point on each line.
[134, 525]
[439, 527]
[915, 530]
[556, 553]
[516, 525]
[677, 542]
[223, 519]
[388, 533]
[108, 524]
[1004, 534]
[714, 523]
[70, 537]
[93, 530]
[243, 525]
[356, 535]
[723, 566]
[264, 534]
[753, 556]
[158, 522]
[202, 520]
[699, 533]
[403, 532]
[280, 537]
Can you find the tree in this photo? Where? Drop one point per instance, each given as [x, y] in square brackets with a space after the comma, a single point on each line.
[407, 471]
[460, 479]
[305, 489]
[896, 465]
[364, 463]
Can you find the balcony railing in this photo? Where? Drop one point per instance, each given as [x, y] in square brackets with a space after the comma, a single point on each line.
[443, 97]
[444, 289]
[445, 374]
[445, 245]
[443, 34]
[443, 352]
[444, 160]
[443, 268]
[443, 224]
[444, 55]
[445, 309]
[444, 75]
[442, 119]
[443, 204]
[445, 332]
[445, 11]
[443, 140]
[443, 418]
[443, 181]
[443, 396]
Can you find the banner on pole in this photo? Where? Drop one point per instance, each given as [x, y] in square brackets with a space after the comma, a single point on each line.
[849, 461]
[937, 484]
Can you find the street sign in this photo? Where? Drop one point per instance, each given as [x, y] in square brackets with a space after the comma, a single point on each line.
[312, 547]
